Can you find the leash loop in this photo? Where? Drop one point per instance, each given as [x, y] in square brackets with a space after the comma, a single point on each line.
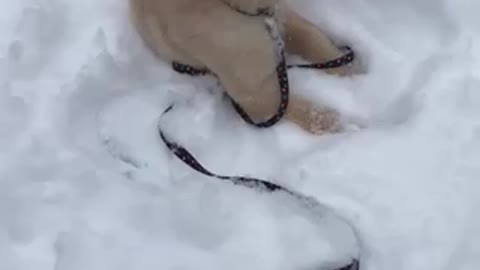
[260, 185]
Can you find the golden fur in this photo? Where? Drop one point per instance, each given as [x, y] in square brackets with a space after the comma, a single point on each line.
[239, 50]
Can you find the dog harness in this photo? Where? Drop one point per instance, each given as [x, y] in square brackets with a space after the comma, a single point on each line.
[282, 76]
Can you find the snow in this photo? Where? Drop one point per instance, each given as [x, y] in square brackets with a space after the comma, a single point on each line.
[85, 182]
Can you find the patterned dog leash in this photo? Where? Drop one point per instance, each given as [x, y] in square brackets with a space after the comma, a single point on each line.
[282, 78]
[261, 185]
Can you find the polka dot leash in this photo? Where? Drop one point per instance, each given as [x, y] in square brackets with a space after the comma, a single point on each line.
[258, 184]
[189, 70]
[184, 155]
[283, 82]
[346, 59]
[261, 185]
[282, 108]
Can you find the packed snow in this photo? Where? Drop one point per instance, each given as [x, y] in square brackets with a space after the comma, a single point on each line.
[86, 183]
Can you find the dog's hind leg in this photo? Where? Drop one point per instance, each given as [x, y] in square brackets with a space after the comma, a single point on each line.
[305, 39]
[239, 50]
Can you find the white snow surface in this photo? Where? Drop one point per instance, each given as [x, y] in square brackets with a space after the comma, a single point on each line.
[86, 183]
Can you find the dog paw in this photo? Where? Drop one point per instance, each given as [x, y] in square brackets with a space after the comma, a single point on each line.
[325, 121]
[330, 121]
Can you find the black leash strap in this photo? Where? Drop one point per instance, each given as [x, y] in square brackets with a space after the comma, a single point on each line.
[282, 77]
[250, 182]
[184, 155]
[346, 59]
[258, 184]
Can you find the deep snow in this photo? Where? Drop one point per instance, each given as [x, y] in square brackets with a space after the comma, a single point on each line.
[85, 182]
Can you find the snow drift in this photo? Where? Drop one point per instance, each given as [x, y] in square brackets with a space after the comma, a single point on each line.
[85, 182]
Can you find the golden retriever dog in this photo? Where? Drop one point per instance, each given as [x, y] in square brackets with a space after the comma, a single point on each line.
[226, 38]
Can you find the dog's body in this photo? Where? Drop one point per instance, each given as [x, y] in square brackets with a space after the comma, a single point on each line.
[238, 49]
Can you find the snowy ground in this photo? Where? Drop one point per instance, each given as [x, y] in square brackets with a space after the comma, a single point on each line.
[85, 183]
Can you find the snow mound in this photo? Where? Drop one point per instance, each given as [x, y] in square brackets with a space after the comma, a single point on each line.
[85, 182]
